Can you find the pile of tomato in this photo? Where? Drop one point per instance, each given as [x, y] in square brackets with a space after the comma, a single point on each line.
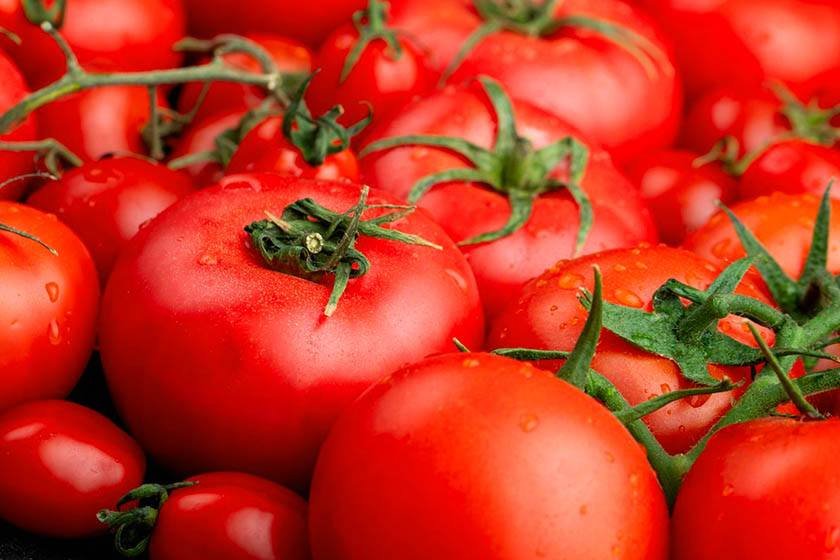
[422, 279]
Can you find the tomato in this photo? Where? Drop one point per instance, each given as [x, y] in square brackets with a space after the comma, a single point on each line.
[60, 463]
[199, 137]
[231, 516]
[384, 78]
[467, 209]
[549, 316]
[309, 22]
[793, 167]
[783, 223]
[762, 489]
[216, 361]
[106, 35]
[12, 164]
[47, 319]
[106, 202]
[289, 55]
[266, 148]
[746, 43]
[681, 195]
[627, 98]
[488, 458]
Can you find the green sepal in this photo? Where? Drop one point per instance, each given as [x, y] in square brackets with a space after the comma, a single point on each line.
[29, 236]
[370, 24]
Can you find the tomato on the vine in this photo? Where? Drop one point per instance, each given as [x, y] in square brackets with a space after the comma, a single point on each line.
[200, 137]
[14, 164]
[793, 167]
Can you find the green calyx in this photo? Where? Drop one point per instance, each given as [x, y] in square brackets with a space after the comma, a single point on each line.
[512, 167]
[133, 528]
[371, 24]
[310, 241]
[808, 121]
[38, 13]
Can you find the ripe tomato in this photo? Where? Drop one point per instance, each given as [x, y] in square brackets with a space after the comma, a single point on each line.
[191, 294]
[682, 197]
[266, 148]
[289, 55]
[106, 35]
[488, 458]
[231, 516]
[106, 202]
[793, 167]
[630, 102]
[12, 164]
[467, 209]
[762, 489]
[747, 43]
[311, 22]
[549, 316]
[60, 463]
[48, 311]
[200, 136]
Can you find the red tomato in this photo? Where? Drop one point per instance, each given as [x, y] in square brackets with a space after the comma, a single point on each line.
[106, 35]
[747, 43]
[231, 516]
[190, 294]
[762, 489]
[783, 223]
[629, 103]
[266, 148]
[106, 202]
[682, 197]
[13, 164]
[793, 167]
[307, 21]
[469, 209]
[200, 137]
[48, 309]
[481, 457]
[60, 463]
[548, 315]
[289, 56]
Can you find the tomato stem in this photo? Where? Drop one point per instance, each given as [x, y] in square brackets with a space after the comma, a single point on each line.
[51, 151]
[38, 13]
[371, 24]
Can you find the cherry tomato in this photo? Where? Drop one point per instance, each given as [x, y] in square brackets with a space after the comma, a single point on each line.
[60, 463]
[191, 294]
[762, 489]
[682, 196]
[200, 137]
[105, 35]
[793, 167]
[48, 311]
[13, 164]
[106, 202]
[478, 456]
[548, 315]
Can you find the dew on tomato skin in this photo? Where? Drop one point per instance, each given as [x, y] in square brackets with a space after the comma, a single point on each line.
[640, 265]
[459, 279]
[54, 333]
[696, 401]
[528, 423]
[728, 490]
[527, 371]
[541, 282]
[583, 509]
[471, 363]
[610, 457]
[419, 153]
[208, 260]
[665, 388]
[627, 298]
[52, 291]
[619, 268]
[553, 308]
[721, 248]
[242, 184]
[634, 479]
[570, 281]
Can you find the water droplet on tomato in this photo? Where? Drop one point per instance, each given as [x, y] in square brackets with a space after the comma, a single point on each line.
[627, 298]
[640, 265]
[665, 388]
[459, 279]
[471, 363]
[570, 281]
[553, 308]
[721, 248]
[528, 422]
[584, 509]
[419, 153]
[728, 490]
[52, 291]
[208, 260]
[54, 333]
[696, 401]
[619, 268]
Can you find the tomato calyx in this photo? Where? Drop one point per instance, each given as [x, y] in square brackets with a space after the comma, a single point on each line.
[371, 24]
[134, 526]
[37, 12]
[310, 241]
[513, 167]
[808, 121]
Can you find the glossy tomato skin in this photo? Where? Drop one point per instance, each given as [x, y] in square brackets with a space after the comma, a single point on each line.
[762, 489]
[48, 310]
[13, 164]
[60, 463]
[266, 149]
[106, 202]
[106, 35]
[217, 362]
[748, 43]
[682, 197]
[549, 316]
[794, 167]
[289, 55]
[468, 209]
[231, 516]
[628, 106]
[380, 82]
[490, 459]
[311, 22]
[201, 136]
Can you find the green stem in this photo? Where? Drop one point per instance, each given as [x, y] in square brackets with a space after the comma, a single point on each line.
[51, 150]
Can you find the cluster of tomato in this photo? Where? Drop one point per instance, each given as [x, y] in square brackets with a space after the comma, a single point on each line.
[479, 279]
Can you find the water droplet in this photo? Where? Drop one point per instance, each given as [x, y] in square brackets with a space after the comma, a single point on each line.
[208, 260]
[570, 281]
[640, 265]
[634, 479]
[728, 490]
[527, 371]
[610, 457]
[721, 248]
[419, 153]
[541, 282]
[528, 422]
[553, 308]
[665, 388]
[619, 268]
[627, 298]
[696, 401]
[54, 333]
[471, 363]
[584, 509]
[459, 279]
[52, 291]
[682, 429]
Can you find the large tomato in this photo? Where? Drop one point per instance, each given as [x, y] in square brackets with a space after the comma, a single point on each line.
[468, 209]
[548, 315]
[473, 456]
[12, 164]
[216, 361]
[624, 96]
[106, 35]
[762, 489]
[48, 311]
[307, 21]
